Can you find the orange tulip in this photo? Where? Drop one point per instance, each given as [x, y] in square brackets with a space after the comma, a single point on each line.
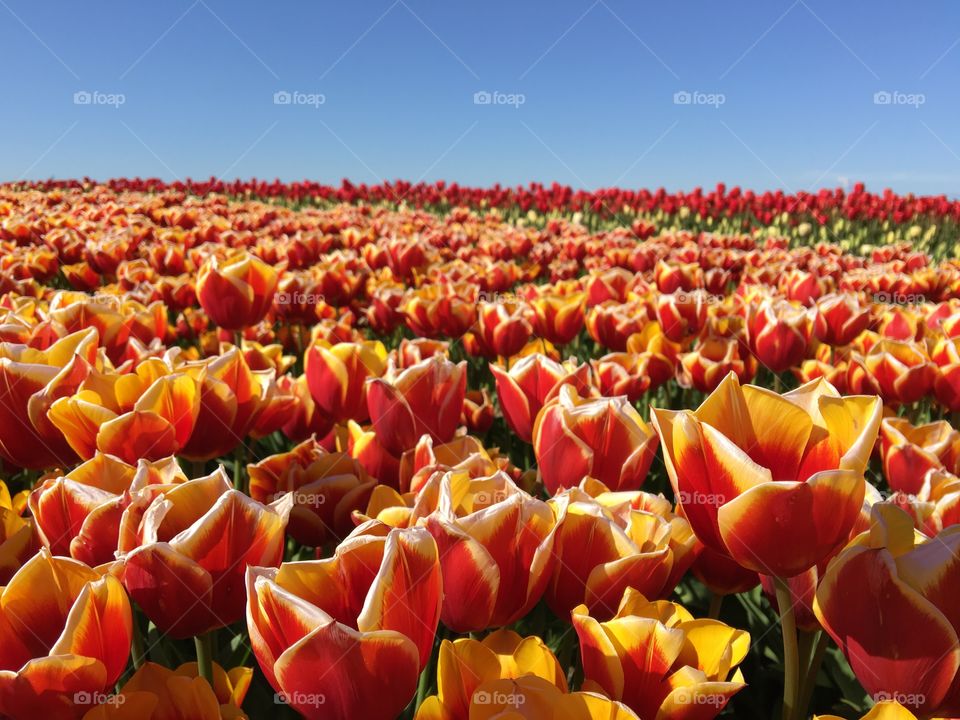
[30, 382]
[155, 692]
[17, 539]
[65, 633]
[908, 452]
[426, 398]
[611, 323]
[604, 438]
[233, 400]
[617, 540]
[682, 314]
[442, 309]
[656, 659]
[883, 710]
[838, 319]
[496, 550]
[465, 665]
[368, 616]
[326, 487]
[478, 413]
[529, 384]
[237, 292]
[624, 374]
[558, 318]
[902, 370]
[337, 374]
[712, 359]
[747, 460]
[946, 385]
[183, 550]
[779, 333]
[889, 601]
[504, 326]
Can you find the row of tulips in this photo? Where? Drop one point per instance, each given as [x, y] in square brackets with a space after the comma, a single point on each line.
[721, 209]
[390, 464]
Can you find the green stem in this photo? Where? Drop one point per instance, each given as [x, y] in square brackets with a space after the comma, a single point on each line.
[137, 653]
[791, 664]
[716, 602]
[204, 645]
[813, 668]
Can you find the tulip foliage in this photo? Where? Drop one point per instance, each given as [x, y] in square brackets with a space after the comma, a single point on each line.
[287, 451]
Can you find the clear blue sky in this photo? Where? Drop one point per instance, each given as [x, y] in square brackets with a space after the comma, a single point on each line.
[398, 78]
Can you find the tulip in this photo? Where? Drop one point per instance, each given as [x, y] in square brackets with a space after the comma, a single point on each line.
[337, 374]
[465, 664]
[304, 418]
[883, 710]
[682, 314]
[426, 398]
[779, 334]
[659, 661]
[908, 452]
[441, 310]
[237, 292]
[529, 384]
[623, 374]
[30, 382]
[558, 318]
[747, 452]
[906, 646]
[604, 438]
[478, 413]
[496, 550]
[712, 359]
[79, 513]
[464, 453]
[17, 540]
[155, 692]
[605, 544]
[368, 616]
[233, 400]
[902, 370]
[946, 385]
[611, 323]
[65, 634]
[364, 446]
[326, 487]
[183, 550]
[838, 319]
[504, 326]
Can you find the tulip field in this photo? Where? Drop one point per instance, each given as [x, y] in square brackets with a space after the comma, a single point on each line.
[432, 452]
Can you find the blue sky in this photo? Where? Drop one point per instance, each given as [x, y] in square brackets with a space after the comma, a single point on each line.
[780, 94]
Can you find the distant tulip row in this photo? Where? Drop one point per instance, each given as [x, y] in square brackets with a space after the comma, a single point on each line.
[451, 466]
